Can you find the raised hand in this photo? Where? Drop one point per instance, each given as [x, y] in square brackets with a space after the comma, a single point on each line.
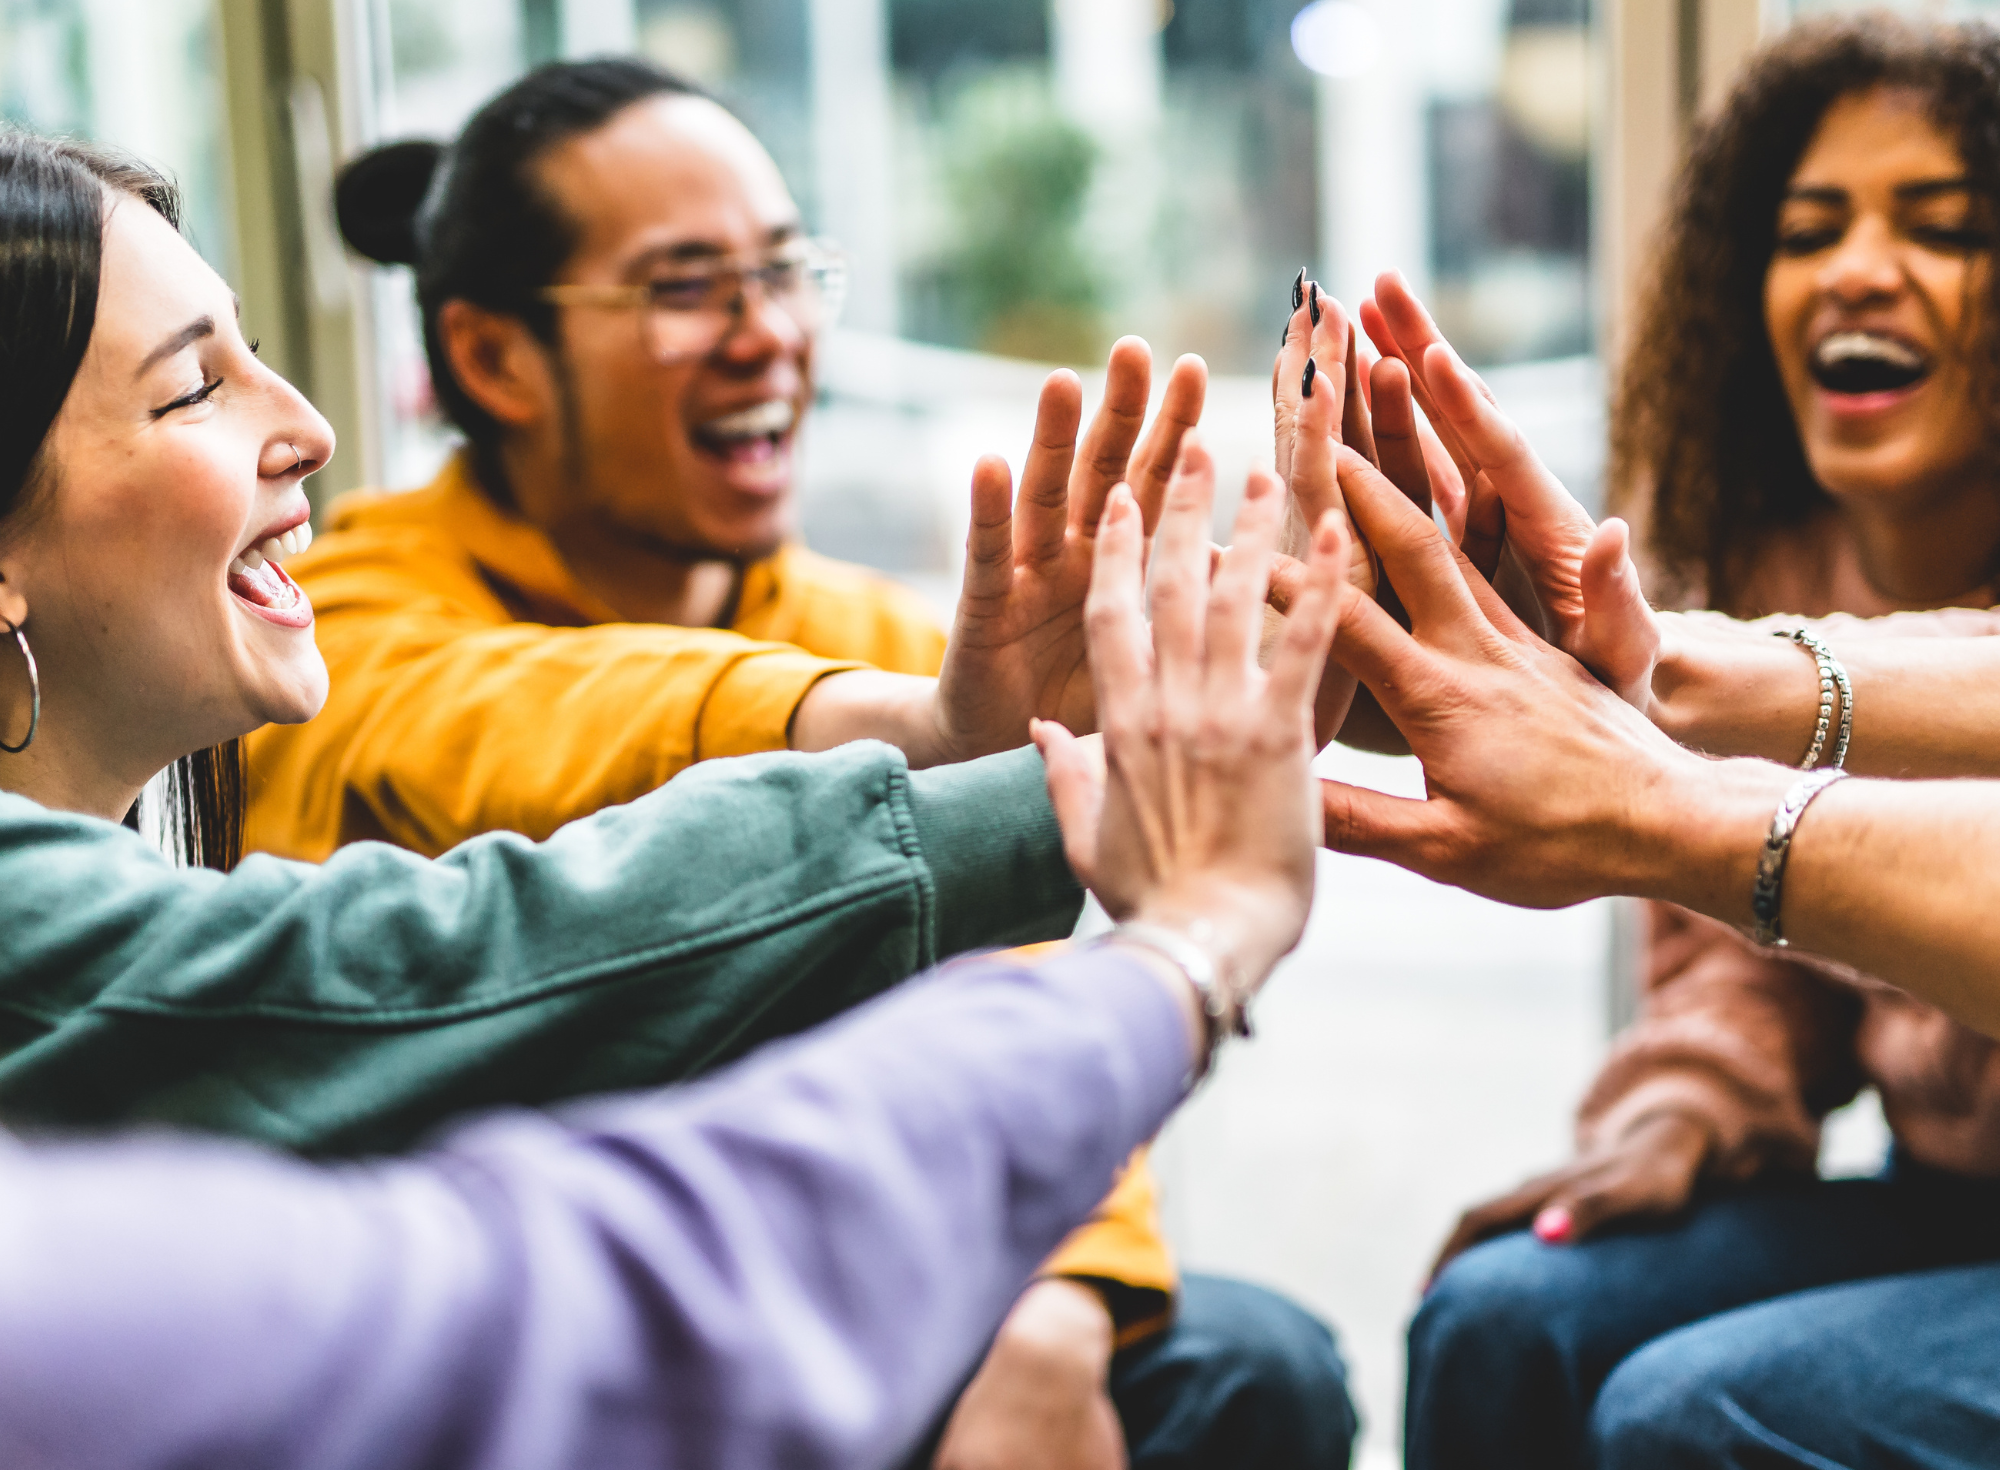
[1531, 765]
[1017, 645]
[1581, 573]
[1204, 817]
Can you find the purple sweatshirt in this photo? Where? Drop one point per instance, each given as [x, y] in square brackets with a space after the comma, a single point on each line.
[792, 1264]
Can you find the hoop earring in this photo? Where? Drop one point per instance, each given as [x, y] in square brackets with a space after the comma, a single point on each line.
[34, 684]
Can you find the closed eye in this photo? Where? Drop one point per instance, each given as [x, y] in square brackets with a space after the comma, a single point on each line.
[189, 400]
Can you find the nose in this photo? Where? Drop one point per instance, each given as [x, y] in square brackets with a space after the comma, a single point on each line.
[1864, 266]
[762, 330]
[300, 439]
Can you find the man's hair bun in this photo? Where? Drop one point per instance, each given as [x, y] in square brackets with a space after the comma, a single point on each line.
[378, 196]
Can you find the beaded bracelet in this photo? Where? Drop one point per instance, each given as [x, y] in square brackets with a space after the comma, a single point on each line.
[1768, 893]
[1832, 680]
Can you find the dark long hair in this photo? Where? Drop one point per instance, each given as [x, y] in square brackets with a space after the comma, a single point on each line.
[473, 219]
[51, 252]
[1703, 443]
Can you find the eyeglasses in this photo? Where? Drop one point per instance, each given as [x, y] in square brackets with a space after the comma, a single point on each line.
[687, 312]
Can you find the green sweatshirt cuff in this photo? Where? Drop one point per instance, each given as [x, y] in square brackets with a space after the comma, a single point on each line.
[988, 834]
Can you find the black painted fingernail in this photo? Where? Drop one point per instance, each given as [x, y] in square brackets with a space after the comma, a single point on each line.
[1315, 299]
[1312, 371]
[1299, 289]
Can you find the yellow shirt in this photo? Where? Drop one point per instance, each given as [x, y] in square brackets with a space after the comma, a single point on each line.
[478, 686]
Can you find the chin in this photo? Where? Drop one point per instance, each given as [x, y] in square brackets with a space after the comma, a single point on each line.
[294, 695]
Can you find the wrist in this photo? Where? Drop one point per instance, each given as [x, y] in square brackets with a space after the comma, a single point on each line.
[1733, 691]
[1058, 1317]
[1698, 830]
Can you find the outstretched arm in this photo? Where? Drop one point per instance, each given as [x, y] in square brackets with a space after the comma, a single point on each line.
[793, 1264]
[1545, 789]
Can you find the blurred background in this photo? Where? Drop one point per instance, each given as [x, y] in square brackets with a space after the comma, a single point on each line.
[1017, 183]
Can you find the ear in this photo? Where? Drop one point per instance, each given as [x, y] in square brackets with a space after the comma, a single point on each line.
[499, 363]
[13, 603]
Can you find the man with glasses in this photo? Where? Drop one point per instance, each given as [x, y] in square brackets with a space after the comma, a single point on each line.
[621, 308]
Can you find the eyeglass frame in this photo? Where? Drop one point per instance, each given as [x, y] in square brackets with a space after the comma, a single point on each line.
[815, 252]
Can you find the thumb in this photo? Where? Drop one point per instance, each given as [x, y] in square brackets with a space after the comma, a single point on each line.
[1076, 791]
[1620, 641]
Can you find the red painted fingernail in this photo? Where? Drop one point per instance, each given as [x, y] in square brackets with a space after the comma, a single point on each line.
[1552, 1225]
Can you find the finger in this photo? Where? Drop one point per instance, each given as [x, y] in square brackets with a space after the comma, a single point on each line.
[1180, 568]
[1314, 481]
[1042, 509]
[1300, 660]
[1620, 641]
[989, 544]
[1643, 1189]
[1398, 829]
[1330, 333]
[1418, 562]
[1121, 663]
[1285, 376]
[1509, 1212]
[1382, 331]
[1236, 592]
[1153, 461]
[1485, 532]
[1114, 429]
[1356, 429]
[1399, 450]
[1286, 579]
[1075, 791]
[1531, 495]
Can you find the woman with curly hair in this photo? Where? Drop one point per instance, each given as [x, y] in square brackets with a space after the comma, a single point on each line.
[1806, 425]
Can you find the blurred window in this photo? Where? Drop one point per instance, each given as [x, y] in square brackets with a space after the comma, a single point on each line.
[142, 74]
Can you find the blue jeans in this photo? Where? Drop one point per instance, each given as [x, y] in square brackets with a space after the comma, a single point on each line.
[1243, 1380]
[1796, 1322]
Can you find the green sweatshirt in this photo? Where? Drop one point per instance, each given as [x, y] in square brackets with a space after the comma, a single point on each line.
[348, 1007]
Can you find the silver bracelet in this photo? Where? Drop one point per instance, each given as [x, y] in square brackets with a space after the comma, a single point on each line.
[1223, 1008]
[1833, 681]
[1769, 893]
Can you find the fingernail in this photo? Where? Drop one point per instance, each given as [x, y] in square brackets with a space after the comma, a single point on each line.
[1552, 1225]
[1299, 289]
[1312, 371]
[1315, 302]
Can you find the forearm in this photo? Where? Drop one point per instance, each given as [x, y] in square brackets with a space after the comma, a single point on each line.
[1923, 706]
[868, 704]
[353, 1005]
[793, 1264]
[1899, 880]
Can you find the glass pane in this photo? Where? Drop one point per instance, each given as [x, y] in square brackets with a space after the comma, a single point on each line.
[144, 75]
[439, 60]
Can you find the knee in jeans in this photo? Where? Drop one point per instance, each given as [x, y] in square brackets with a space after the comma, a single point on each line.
[1491, 1305]
[1284, 1362]
[1653, 1411]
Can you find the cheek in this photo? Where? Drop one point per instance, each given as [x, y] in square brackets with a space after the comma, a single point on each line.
[1787, 299]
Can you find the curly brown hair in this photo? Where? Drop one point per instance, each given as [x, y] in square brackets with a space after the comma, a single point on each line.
[1703, 445]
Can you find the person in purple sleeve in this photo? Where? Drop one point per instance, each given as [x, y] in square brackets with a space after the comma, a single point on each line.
[792, 1263]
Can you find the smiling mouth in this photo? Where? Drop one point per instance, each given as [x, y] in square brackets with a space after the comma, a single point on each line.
[1866, 362]
[749, 434]
[256, 577]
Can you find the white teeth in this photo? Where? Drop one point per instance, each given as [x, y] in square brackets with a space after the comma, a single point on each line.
[1866, 347]
[271, 550]
[305, 534]
[239, 567]
[773, 417]
[253, 558]
[289, 543]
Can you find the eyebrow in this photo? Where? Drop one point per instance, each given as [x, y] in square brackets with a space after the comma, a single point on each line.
[1915, 189]
[698, 250]
[194, 331]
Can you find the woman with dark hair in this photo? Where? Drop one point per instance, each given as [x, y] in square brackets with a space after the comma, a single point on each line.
[1806, 425]
[792, 1265]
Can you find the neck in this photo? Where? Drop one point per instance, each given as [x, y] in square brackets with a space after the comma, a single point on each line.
[67, 774]
[1930, 554]
[641, 580]
[644, 584]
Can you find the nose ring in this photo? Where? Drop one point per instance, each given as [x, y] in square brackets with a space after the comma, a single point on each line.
[297, 458]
